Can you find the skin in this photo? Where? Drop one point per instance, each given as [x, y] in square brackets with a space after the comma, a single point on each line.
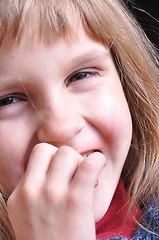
[66, 99]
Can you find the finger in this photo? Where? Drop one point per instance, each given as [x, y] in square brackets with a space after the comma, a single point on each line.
[63, 167]
[40, 158]
[88, 173]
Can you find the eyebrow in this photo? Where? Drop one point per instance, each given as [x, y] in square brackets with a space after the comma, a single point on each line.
[8, 84]
[92, 57]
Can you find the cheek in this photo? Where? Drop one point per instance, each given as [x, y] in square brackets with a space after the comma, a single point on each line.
[119, 133]
[113, 121]
[15, 147]
[11, 167]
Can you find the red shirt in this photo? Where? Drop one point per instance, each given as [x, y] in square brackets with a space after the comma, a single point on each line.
[114, 223]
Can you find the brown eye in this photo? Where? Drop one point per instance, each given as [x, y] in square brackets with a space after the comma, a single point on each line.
[11, 99]
[81, 76]
[8, 100]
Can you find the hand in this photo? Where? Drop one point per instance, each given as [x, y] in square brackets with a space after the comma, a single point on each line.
[54, 199]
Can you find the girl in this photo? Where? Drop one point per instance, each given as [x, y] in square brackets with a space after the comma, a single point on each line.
[79, 100]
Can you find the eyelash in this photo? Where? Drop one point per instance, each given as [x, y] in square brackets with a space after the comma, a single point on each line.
[78, 76]
[8, 100]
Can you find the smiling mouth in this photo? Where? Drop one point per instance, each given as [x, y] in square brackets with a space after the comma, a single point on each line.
[87, 154]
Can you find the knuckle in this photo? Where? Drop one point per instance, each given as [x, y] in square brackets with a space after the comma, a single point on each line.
[88, 165]
[65, 150]
[24, 198]
[73, 200]
[93, 162]
[39, 146]
[27, 195]
[53, 194]
[70, 154]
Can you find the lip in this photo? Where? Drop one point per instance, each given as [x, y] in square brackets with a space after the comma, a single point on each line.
[89, 147]
[89, 144]
[92, 150]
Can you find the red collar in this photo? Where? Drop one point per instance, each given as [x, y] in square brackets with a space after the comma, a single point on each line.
[113, 223]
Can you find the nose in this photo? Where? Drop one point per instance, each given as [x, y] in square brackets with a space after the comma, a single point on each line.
[59, 123]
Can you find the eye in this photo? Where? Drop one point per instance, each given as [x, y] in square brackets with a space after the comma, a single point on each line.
[82, 75]
[7, 100]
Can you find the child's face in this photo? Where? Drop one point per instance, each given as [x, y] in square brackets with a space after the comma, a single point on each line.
[65, 94]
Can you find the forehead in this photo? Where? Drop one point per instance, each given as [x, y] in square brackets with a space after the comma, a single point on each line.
[64, 53]
[53, 19]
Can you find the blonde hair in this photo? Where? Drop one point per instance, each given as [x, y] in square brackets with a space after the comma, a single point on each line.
[109, 22]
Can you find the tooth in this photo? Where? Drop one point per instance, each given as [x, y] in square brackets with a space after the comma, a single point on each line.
[87, 154]
[90, 152]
